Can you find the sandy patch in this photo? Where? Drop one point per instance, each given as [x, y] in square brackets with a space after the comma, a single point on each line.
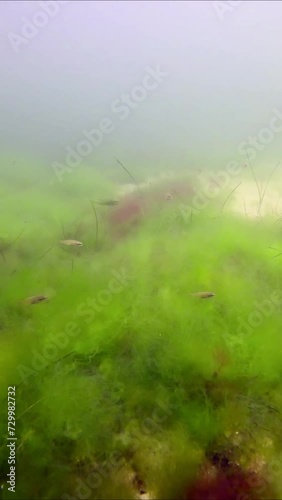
[246, 200]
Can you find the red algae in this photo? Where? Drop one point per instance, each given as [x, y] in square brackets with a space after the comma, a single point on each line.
[126, 216]
[228, 481]
[132, 208]
[129, 210]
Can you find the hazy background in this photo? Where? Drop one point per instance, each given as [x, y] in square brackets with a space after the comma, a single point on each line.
[224, 80]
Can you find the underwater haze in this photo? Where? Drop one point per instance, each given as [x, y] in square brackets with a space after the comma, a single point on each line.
[67, 67]
[140, 250]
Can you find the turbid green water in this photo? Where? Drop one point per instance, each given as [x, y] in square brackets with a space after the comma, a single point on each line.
[122, 371]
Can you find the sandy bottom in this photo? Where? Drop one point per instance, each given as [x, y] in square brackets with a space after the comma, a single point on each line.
[246, 200]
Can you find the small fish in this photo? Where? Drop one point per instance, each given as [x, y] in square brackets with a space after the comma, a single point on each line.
[203, 295]
[72, 243]
[36, 299]
[107, 203]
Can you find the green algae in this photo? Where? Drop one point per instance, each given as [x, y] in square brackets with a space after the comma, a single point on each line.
[123, 371]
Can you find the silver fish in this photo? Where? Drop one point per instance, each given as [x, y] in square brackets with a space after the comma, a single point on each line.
[36, 299]
[203, 295]
[72, 243]
[107, 203]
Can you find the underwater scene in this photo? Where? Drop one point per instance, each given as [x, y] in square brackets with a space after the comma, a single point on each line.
[141, 250]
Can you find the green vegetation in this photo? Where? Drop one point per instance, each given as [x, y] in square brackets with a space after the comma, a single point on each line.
[123, 377]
